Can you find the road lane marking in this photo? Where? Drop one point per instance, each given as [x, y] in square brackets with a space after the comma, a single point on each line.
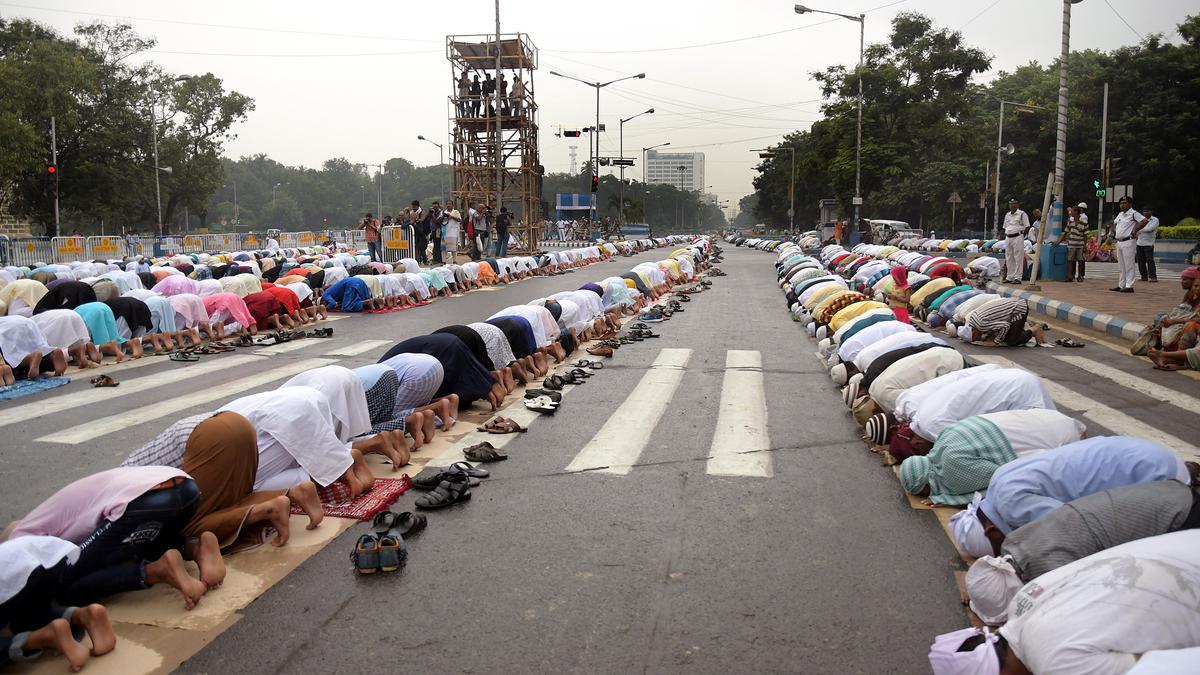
[617, 446]
[356, 349]
[124, 420]
[289, 346]
[79, 399]
[1138, 384]
[740, 443]
[1108, 417]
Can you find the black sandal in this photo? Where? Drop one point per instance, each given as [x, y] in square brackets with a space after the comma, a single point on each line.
[483, 452]
[390, 522]
[453, 489]
[555, 396]
[554, 383]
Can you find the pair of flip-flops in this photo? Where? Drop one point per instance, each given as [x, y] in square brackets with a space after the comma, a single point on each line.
[104, 381]
[502, 425]
[584, 363]
[554, 396]
[183, 356]
[384, 549]
[1069, 343]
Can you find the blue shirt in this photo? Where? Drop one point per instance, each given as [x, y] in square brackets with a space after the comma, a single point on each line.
[1020, 492]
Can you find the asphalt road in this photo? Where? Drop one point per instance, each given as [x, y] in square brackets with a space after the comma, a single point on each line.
[815, 564]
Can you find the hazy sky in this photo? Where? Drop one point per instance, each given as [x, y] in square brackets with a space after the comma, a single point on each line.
[361, 79]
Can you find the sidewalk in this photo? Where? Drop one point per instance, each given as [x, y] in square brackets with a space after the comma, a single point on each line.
[1090, 304]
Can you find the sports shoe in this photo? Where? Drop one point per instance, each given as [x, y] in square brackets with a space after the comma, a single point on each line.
[653, 315]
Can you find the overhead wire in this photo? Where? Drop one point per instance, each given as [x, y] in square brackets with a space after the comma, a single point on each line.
[1127, 24]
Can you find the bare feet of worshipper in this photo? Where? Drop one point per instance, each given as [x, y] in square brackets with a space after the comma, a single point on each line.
[362, 471]
[57, 635]
[305, 496]
[276, 511]
[205, 550]
[94, 620]
[414, 424]
[169, 569]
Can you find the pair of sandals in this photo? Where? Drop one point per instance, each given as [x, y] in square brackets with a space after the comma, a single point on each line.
[104, 381]
[430, 479]
[183, 356]
[1069, 343]
[681, 297]
[482, 452]
[642, 334]
[584, 363]
[502, 425]
[276, 339]
[543, 404]
[319, 333]
[452, 489]
[384, 549]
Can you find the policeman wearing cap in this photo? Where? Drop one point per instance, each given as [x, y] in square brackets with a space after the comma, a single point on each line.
[1016, 222]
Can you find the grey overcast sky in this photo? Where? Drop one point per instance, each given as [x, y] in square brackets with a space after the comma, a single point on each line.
[362, 79]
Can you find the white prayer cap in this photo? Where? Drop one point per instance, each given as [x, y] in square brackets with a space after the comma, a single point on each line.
[833, 360]
[838, 373]
[964, 333]
[822, 332]
[945, 659]
[968, 531]
[824, 345]
[811, 327]
[992, 583]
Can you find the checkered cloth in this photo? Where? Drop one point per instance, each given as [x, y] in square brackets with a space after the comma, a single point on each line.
[166, 449]
[964, 458]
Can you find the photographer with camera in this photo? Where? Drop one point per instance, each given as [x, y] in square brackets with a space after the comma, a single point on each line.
[372, 227]
[415, 217]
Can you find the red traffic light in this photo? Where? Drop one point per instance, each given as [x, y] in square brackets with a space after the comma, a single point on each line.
[51, 169]
[595, 183]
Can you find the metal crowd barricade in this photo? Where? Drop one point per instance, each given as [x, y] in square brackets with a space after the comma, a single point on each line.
[26, 251]
[397, 243]
[356, 239]
[68, 249]
[105, 247]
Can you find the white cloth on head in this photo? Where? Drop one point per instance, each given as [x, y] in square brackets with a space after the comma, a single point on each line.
[850, 348]
[968, 530]
[839, 374]
[1096, 614]
[294, 426]
[347, 399]
[1035, 429]
[907, 402]
[945, 659]
[991, 583]
[21, 556]
[985, 392]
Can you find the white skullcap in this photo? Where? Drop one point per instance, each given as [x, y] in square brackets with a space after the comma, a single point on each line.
[856, 378]
[822, 332]
[824, 345]
[811, 327]
[838, 373]
[992, 582]
[945, 659]
[833, 360]
[964, 333]
[968, 531]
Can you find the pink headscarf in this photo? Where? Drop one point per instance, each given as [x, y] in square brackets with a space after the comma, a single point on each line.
[900, 274]
[189, 310]
[1192, 272]
[176, 284]
[232, 305]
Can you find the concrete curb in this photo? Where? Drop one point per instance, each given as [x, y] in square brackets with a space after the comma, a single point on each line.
[1088, 318]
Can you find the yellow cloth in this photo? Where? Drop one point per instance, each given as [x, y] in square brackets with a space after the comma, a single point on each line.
[630, 283]
[373, 284]
[846, 315]
[24, 289]
[823, 311]
[935, 286]
[823, 293]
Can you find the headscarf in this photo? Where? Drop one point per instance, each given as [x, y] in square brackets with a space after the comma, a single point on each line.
[945, 659]
[1192, 272]
[968, 531]
[992, 583]
[555, 309]
[900, 274]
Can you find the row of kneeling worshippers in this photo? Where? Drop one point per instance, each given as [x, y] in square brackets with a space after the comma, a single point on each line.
[227, 479]
[1084, 549]
[55, 315]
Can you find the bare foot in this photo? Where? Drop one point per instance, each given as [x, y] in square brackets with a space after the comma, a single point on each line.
[363, 471]
[135, 346]
[208, 558]
[305, 496]
[94, 620]
[429, 424]
[351, 480]
[414, 424]
[169, 569]
[276, 511]
[57, 635]
[453, 411]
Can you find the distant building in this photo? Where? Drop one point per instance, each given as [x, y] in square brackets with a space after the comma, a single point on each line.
[663, 167]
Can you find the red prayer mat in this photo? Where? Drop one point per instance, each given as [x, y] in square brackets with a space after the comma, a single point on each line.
[336, 498]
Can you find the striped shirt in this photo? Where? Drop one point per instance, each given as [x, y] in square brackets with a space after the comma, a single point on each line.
[964, 458]
[1075, 233]
[992, 321]
[167, 448]
[420, 377]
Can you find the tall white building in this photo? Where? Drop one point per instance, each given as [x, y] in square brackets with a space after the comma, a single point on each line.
[663, 167]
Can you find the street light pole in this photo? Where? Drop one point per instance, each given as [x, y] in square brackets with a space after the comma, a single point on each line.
[621, 179]
[441, 159]
[596, 129]
[645, 169]
[862, 36]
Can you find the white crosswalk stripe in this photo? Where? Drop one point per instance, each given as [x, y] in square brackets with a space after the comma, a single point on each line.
[361, 347]
[1138, 384]
[1106, 416]
[740, 444]
[619, 443]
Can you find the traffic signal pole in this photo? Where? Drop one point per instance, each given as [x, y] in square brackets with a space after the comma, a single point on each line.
[1103, 182]
[54, 162]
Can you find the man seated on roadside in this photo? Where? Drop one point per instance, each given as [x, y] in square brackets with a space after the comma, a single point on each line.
[1080, 528]
[1001, 322]
[1177, 329]
[33, 570]
[129, 524]
[1029, 488]
[941, 402]
[967, 453]
[1099, 614]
